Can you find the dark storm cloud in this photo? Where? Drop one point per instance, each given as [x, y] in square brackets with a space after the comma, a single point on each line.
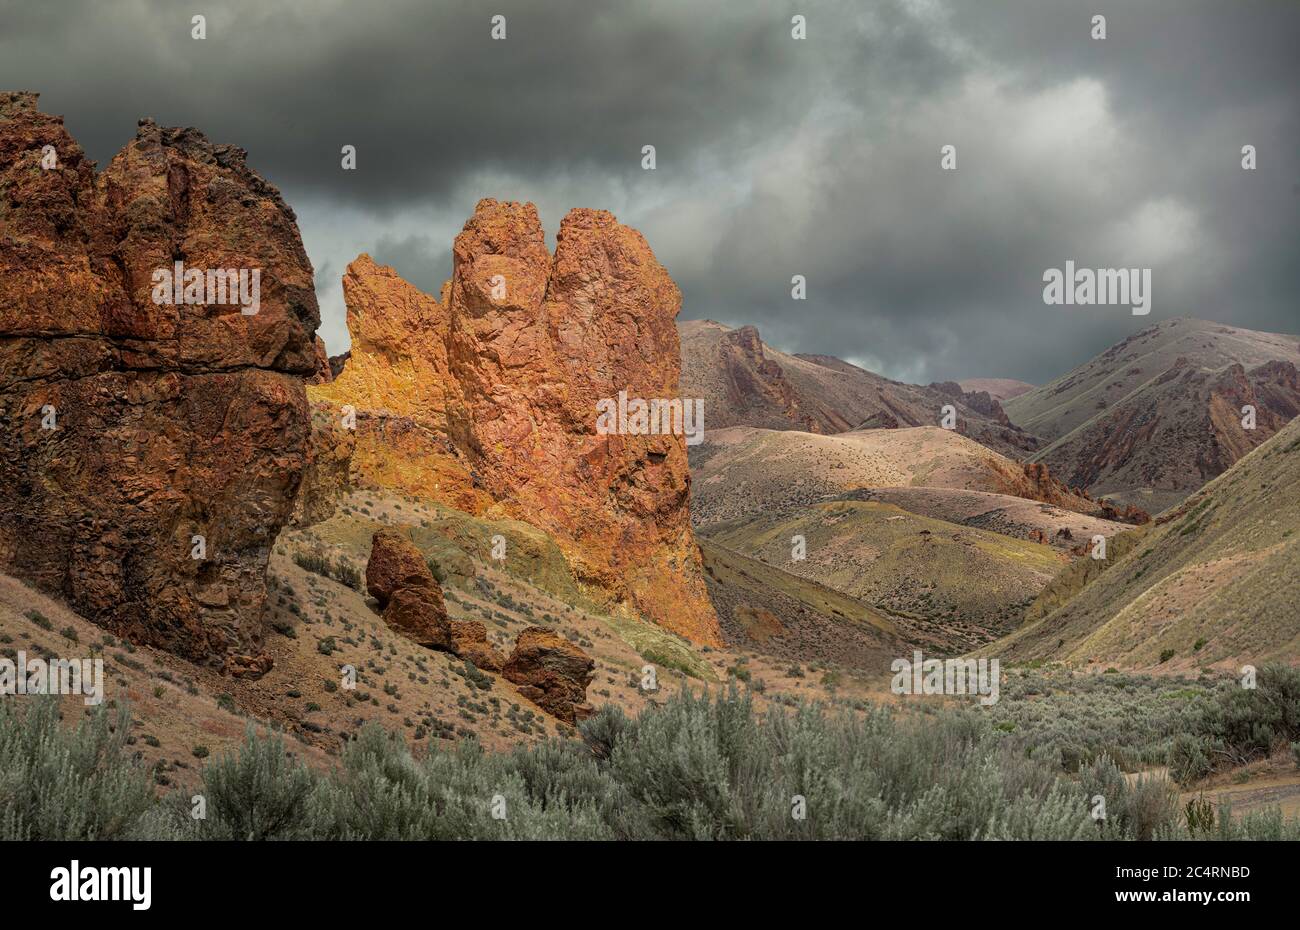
[420, 88]
[775, 157]
[429, 262]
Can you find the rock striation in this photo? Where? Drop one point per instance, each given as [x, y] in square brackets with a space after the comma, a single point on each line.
[491, 392]
[149, 451]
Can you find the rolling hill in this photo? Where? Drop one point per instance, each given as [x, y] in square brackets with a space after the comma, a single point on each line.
[1215, 581]
[1020, 517]
[958, 585]
[741, 471]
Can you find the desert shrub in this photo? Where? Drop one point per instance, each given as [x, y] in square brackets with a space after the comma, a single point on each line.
[1142, 808]
[257, 793]
[719, 770]
[1266, 824]
[695, 767]
[1248, 723]
[340, 570]
[601, 731]
[1133, 719]
[1189, 758]
[1199, 814]
[382, 792]
[67, 784]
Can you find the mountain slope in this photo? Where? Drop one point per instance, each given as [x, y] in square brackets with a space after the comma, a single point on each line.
[1057, 408]
[746, 383]
[1221, 571]
[1000, 389]
[1176, 432]
[742, 470]
[780, 613]
[1156, 416]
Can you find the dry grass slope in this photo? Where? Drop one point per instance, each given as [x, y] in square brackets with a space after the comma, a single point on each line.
[1214, 582]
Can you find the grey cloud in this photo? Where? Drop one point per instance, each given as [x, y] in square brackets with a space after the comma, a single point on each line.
[776, 157]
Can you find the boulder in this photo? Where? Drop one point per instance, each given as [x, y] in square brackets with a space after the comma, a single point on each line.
[418, 615]
[396, 563]
[469, 641]
[246, 667]
[551, 672]
[399, 578]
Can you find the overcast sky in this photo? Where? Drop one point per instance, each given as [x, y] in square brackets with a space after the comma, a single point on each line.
[775, 156]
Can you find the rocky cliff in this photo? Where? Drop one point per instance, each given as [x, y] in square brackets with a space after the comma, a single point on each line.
[152, 437]
[487, 398]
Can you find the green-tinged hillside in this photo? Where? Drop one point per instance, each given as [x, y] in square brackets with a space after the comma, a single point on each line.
[1215, 581]
[957, 584]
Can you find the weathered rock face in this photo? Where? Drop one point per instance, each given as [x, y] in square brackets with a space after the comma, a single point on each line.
[324, 372]
[398, 577]
[130, 427]
[498, 383]
[755, 381]
[1044, 487]
[326, 475]
[552, 673]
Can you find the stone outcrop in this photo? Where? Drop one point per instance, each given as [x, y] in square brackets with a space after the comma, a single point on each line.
[1043, 487]
[237, 665]
[410, 599]
[395, 563]
[326, 476]
[495, 388]
[752, 380]
[149, 451]
[551, 672]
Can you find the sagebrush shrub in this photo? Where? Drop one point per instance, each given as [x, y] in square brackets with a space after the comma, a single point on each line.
[696, 767]
[67, 784]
